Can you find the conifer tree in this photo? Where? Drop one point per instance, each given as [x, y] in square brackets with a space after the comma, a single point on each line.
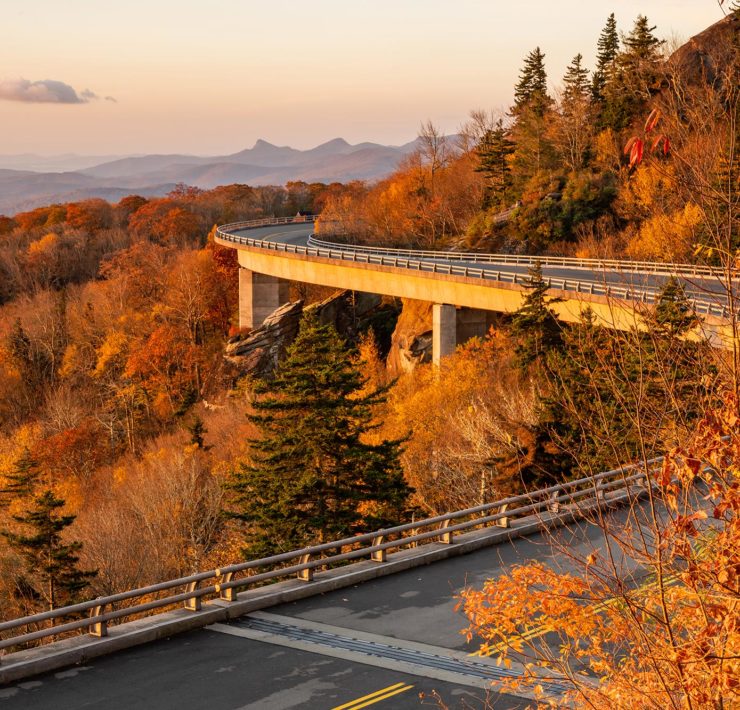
[530, 91]
[21, 479]
[535, 323]
[313, 477]
[530, 132]
[575, 81]
[52, 575]
[674, 315]
[493, 153]
[573, 129]
[607, 49]
[634, 77]
[641, 44]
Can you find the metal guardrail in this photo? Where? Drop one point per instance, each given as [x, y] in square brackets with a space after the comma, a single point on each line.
[222, 583]
[620, 265]
[434, 262]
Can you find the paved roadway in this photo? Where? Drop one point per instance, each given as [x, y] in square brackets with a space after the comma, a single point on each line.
[226, 667]
[704, 288]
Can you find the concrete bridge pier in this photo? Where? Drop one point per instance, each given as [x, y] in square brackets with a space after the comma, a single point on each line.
[444, 331]
[471, 323]
[259, 295]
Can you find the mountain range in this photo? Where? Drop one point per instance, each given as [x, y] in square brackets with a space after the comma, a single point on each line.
[23, 188]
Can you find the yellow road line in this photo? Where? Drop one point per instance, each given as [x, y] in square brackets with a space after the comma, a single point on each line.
[382, 697]
[375, 697]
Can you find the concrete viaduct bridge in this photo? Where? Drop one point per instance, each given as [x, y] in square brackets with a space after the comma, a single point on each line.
[463, 287]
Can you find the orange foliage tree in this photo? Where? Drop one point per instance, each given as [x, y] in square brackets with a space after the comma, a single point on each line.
[649, 619]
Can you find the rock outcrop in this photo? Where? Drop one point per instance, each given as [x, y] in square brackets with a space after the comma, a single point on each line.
[258, 352]
[411, 342]
[706, 57]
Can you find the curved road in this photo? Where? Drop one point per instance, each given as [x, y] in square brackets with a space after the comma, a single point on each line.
[636, 281]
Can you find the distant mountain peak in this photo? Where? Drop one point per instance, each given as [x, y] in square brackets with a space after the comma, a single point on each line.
[259, 143]
[335, 143]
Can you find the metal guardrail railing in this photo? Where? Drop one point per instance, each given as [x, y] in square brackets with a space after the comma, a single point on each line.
[620, 265]
[434, 262]
[574, 497]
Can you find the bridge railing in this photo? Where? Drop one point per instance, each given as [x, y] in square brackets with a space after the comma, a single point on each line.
[223, 583]
[526, 260]
[433, 262]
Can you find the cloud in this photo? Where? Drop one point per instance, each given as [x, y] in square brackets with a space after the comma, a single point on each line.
[47, 91]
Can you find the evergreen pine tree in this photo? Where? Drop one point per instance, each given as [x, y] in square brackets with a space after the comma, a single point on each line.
[633, 79]
[641, 44]
[312, 477]
[52, 570]
[197, 433]
[607, 49]
[674, 315]
[535, 323]
[21, 479]
[530, 91]
[493, 153]
[575, 82]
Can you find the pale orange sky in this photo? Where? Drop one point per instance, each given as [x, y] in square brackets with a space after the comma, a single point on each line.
[212, 77]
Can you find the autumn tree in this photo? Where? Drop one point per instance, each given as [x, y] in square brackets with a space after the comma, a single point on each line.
[646, 616]
[312, 476]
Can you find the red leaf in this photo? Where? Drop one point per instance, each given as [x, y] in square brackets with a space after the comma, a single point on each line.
[636, 153]
[629, 144]
[652, 120]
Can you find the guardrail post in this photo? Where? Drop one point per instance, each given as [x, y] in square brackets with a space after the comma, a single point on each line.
[228, 594]
[378, 555]
[446, 537]
[193, 603]
[305, 574]
[599, 491]
[503, 522]
[98, 628]
[554, 505]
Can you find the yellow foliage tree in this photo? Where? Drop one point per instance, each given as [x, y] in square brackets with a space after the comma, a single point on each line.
[667, 237]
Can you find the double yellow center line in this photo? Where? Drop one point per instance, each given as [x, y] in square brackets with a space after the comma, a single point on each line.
[375, 697]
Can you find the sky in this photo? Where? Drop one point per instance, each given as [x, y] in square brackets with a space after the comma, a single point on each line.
[210, 77]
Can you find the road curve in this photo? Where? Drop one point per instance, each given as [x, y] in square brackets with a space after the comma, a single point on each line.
[628, 281]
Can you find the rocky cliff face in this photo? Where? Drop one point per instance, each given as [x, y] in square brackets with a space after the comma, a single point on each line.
[707, 56]
[258, 352]
[411, 343]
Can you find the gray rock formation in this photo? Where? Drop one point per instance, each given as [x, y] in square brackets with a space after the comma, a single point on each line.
[411, 343]
[258, 352]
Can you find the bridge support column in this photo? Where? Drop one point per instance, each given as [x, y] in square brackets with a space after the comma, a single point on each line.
[471, 323]
[259, 295]
[444, 336]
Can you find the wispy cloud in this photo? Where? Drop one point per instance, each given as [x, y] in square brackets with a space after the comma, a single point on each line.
[46, 91]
